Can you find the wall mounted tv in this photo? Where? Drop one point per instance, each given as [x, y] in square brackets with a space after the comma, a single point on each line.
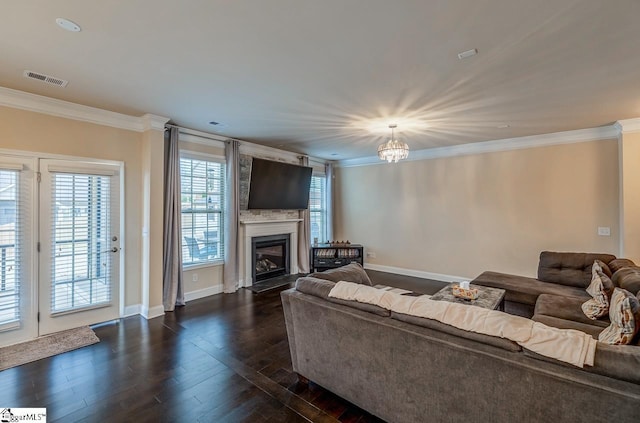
[276, 185]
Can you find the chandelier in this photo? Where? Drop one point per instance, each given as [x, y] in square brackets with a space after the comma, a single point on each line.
[393, 150]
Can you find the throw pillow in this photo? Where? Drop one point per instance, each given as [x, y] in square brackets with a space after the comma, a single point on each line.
[353, 272]
[624, 314]
[627, 278]
[603, 266]
[601, 289]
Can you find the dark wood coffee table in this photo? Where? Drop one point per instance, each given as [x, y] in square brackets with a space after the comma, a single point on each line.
[491, 298]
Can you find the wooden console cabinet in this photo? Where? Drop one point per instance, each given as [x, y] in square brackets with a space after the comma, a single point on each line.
[326, 256]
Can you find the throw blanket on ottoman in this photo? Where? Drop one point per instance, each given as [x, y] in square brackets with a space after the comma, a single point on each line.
[568, 345]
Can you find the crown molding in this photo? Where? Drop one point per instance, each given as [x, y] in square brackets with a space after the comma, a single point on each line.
[508, 144]
[155, 122]
[628, 125]
[68, 110]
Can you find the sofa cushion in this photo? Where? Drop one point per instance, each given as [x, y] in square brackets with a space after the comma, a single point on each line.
[617, 361]
[566, 308]
[353, 272]
[571, 269]
[452, 330]
[628, 278]
[619, 263]
[320, 288]
[521, 289]
[314, 286]
[624, 314]
[600, 289]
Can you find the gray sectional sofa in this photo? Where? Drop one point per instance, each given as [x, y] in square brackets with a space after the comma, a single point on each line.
[408, 369]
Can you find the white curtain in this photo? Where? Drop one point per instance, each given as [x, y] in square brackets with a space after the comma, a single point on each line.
[328, 171]
[173, 285]
[304, 233]
[231, 216]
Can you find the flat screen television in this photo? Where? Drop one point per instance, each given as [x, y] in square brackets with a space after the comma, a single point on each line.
[276, 185]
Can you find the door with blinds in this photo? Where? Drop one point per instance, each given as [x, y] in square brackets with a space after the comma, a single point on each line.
[79, 244]
[17, 266]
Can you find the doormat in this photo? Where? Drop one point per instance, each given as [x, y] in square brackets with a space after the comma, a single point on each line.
[46, 346]
[273, 283]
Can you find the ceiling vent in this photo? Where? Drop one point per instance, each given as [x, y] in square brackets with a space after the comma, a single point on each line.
[52, 80]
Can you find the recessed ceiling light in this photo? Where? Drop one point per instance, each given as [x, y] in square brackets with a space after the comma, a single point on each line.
[467, 53]
[68, 25]
[219, 126]
[505, 126]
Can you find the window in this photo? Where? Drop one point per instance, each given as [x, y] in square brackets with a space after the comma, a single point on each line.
[80, 241]
[202, 181]
[318, 208]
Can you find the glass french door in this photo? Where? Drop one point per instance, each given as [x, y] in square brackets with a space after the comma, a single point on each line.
[79, 244]
[17, 267]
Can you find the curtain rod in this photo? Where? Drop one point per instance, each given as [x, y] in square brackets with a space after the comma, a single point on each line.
[221, 138]
[195, 133]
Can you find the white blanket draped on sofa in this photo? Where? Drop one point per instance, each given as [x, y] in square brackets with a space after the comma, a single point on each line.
[568, 345]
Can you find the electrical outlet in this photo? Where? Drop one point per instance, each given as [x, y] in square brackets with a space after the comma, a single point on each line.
[371, 254]
[604, 231]
[194, 277]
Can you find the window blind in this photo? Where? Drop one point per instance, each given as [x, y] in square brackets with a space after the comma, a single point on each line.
[80, 241]
[14, 213]
[202, 204]
[318, 208]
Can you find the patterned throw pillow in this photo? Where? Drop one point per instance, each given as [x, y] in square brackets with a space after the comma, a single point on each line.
[604, 267]
[601, 289]
[624, 314]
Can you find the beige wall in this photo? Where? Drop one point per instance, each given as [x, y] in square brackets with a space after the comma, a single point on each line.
[629, 196]
[202, 148]
[462, 215]
[34, 132]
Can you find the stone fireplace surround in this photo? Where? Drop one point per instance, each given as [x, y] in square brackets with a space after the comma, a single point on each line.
[255, 228]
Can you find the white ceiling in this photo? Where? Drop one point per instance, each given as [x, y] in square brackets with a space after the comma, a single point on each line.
[320, 76]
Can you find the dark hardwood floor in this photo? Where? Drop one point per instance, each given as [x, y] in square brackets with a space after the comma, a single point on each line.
[223, 358]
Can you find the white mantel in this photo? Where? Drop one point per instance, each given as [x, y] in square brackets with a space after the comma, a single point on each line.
[253, 228]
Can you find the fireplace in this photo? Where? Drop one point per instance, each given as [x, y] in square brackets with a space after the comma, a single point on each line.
[270, 256]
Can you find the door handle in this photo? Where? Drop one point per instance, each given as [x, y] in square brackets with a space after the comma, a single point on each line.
[113, 250]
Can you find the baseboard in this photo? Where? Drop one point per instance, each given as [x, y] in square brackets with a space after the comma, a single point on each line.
[415, 273]
[150, 313]
[156, 311]
[201, 293]
[132, 310]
